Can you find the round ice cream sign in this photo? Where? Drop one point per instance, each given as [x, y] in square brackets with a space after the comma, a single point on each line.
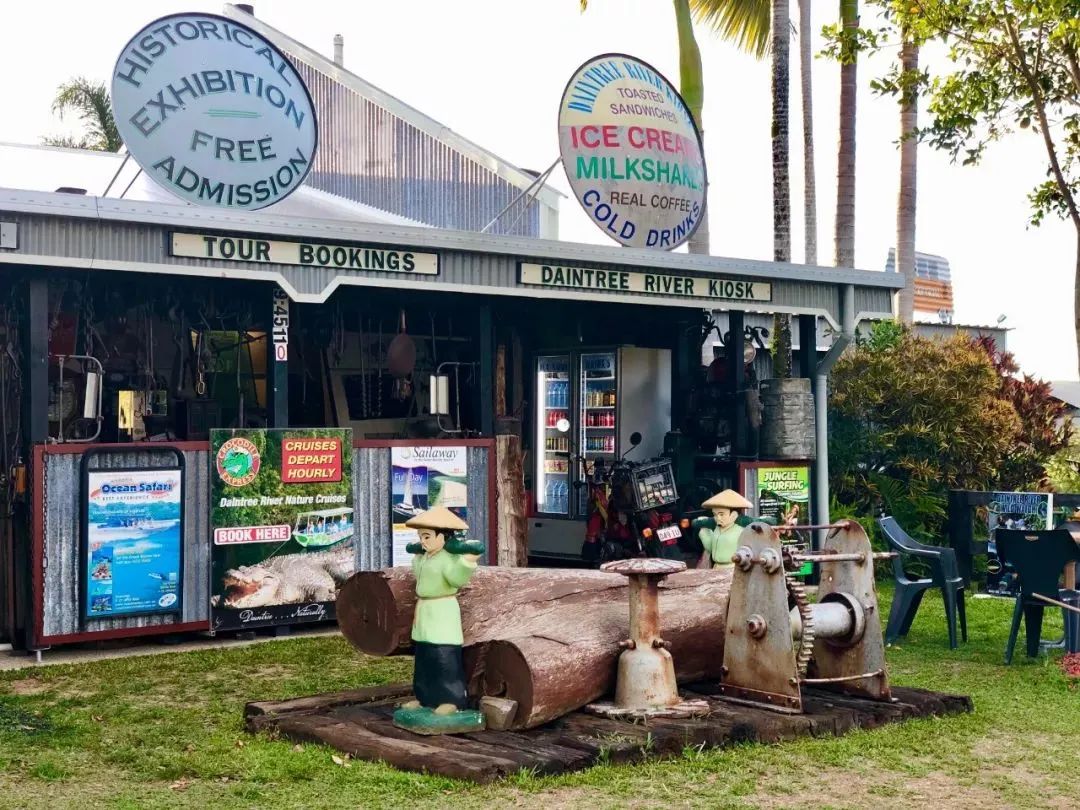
[213, 112]
[632, 152]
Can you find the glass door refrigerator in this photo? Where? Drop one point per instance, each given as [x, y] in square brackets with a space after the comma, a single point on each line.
[554, 434]
[597, 415]
[604, 395]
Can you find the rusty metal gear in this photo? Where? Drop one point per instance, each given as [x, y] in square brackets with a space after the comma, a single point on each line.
[805, 649]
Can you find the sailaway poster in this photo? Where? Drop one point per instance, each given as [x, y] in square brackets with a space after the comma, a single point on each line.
[133, 532]
[422, 478]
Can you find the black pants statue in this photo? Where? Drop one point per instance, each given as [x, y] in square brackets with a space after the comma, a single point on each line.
[439, 675]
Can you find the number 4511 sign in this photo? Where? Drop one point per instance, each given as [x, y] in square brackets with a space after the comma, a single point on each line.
[281, 325]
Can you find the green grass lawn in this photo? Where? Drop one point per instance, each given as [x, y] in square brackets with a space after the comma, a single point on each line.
[166, 731]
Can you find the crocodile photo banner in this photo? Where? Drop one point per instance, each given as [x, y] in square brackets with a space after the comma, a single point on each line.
[283, 537]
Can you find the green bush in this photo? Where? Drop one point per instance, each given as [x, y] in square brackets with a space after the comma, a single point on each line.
[909, 419]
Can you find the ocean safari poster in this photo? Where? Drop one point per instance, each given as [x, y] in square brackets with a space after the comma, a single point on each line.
[423, 478]
[282, 526]
[134, 530]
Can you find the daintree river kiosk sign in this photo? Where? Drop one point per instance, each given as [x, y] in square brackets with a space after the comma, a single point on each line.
[661, 284]
[213, 112]
[632, 152]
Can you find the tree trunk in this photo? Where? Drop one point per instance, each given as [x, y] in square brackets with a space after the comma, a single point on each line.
[1076, 299]
[510, 497]
[906, 208]
[692, 89]
[781, 55]
[559, 667]
[806, 58]
[845, 164]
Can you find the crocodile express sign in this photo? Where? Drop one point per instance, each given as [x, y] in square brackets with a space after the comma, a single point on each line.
[281, 516]
[213, 112]
[632, 152]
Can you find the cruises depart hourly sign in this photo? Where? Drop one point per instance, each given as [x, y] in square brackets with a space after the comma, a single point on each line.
[632, 152]
[213, 112]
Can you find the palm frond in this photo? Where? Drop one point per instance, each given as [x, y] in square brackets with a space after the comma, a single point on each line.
[90, 100]
[744, 22]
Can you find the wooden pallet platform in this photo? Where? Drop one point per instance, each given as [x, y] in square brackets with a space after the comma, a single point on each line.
[358, 723]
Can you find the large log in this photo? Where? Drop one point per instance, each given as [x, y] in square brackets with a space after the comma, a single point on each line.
[545, 638]
[569, 659]
[375, 608]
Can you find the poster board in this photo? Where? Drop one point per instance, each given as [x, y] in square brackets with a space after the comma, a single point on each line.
[781, 493]
[1013, 510]
[283, 534]
[423, 477]
[132, 541]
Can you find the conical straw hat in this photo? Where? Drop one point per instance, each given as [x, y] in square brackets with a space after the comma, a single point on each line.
[728, 499]
[438, 518]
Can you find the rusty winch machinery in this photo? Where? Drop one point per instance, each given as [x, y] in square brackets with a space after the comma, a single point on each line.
[777, 641]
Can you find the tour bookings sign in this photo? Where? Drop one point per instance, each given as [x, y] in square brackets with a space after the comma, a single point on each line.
[632, 152]
[213, 112]
[281, 518]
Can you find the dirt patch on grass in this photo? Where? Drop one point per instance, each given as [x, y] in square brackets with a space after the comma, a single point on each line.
[843, 788]
[27, 686]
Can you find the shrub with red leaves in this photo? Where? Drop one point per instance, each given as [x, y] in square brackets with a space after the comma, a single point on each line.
[1043, 432]
[1071, 665]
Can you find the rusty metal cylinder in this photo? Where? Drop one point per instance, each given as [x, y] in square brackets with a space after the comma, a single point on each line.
[841, 618]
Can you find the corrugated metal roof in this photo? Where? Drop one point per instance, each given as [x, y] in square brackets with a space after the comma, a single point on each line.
[110, 210]
[47, 168]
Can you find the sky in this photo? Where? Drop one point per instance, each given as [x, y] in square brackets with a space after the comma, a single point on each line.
[494, 72]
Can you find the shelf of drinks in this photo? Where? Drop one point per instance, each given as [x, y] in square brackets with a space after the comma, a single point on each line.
[558, 452]
[599, 407]
[599, 427]
[598, 379]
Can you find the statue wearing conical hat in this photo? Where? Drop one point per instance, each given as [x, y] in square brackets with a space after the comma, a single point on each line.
[443, 563]
[721, 541]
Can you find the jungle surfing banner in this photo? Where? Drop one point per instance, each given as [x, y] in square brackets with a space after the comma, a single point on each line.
[782, 495]
[281, 519]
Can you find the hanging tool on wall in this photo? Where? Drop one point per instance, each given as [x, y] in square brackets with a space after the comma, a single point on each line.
[401, 360]
[838, 640]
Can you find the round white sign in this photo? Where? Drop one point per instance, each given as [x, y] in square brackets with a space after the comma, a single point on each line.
[213, 112]
[632, 152]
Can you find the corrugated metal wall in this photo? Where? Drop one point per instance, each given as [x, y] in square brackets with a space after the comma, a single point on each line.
[64, 566]
[368, 154]
[63, 494]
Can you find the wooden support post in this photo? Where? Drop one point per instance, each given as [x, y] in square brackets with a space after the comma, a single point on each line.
[517, 373]
[512, 540]
[807, 345]
[500, 380]
[35, 429]
[487, 371]
[742, 444]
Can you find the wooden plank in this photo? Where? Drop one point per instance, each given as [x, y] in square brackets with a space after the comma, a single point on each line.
[456, 743]
[329, 700]
[611, 739]
[560, 758]
[417, 754]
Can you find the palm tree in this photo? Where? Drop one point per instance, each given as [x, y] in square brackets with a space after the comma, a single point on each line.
[744, 22]
[845, 163]
[91, 101]
[781, 37]
[909, 143]
[806, 51]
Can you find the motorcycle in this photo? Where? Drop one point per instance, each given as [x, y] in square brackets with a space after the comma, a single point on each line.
[632, 509]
